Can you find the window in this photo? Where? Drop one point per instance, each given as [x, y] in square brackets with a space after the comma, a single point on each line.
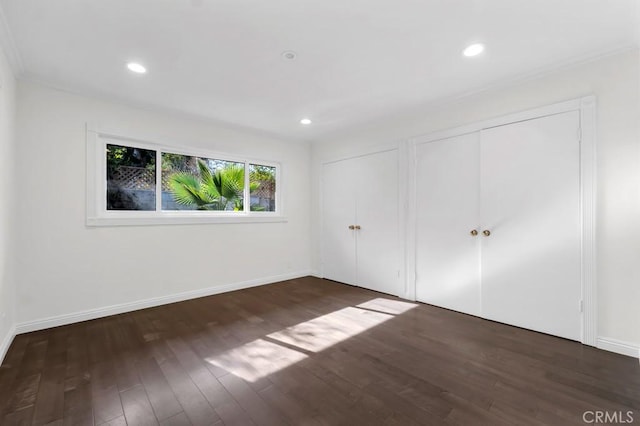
[199, 183]
[133, 183]
[262, 187]
[131, 178]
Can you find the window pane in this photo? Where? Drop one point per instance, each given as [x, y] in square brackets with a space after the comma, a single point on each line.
[131, 178]
[198, 183]
[262, 188]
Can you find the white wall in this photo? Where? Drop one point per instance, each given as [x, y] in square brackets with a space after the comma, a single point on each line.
[615, 80]
[7, 183]
[63, 267]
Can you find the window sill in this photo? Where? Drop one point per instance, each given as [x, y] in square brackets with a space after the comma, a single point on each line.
[146, 220]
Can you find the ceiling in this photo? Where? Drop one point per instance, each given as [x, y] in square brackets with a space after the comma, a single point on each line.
[357, 60]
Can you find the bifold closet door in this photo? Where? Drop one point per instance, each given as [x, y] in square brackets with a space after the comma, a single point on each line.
[360, 211]
[530, 204]
[338, 214]
[447, 254]
[377, 216]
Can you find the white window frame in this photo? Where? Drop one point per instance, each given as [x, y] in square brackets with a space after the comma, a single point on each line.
[98, 215]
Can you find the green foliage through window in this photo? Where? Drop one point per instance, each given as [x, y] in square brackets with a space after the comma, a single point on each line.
[218, 189]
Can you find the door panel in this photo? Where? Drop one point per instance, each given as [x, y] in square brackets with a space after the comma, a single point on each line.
[377, 212]
[447, 255]
[338, 213]
[530, 203]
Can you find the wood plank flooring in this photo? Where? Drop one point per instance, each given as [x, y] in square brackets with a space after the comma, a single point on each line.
[307, 352]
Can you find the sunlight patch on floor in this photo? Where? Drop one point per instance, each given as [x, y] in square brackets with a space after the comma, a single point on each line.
[389, 306]
[325, 331]
[256, 359]
[259, 358]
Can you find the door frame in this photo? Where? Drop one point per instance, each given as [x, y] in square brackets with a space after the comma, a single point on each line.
[586, 106]
[401, 148]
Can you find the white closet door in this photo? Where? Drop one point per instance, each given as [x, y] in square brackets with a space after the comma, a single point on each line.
[447, 255]
[338, 213]
[377, 212]
[530, 203]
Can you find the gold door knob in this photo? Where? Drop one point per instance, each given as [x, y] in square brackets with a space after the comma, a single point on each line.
[474, 232]
[352, 227]
[486, 232]
[357, 226]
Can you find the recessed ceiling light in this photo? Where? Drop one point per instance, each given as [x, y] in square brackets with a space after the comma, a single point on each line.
[136, 67]
[289, 55]
[473, 50]
[305, 121]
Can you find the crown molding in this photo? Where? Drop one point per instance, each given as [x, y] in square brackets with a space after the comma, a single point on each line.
[9, 46]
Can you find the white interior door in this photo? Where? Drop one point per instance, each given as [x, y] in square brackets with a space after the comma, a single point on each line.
[447, 254]
[378, 254]
[530, 203]
[338, 213]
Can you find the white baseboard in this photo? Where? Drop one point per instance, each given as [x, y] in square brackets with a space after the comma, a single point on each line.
[316, 274]
[90, 314]
[618, 346]
[6, 342]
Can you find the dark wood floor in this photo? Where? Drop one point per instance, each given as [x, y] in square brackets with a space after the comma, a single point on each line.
[307, 352]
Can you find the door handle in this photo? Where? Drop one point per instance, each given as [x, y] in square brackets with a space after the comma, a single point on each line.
[352, 227]
[358, 227]
[486, 232]
[474, 232]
